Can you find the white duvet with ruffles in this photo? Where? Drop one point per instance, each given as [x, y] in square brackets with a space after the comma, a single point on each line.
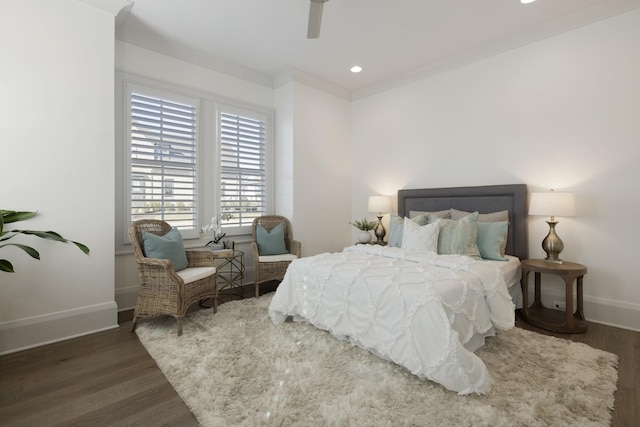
[423, 311]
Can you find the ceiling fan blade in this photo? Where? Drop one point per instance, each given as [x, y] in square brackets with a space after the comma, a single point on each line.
[315, 18]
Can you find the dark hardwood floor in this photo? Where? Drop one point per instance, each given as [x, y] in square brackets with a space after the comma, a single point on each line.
[109, 379]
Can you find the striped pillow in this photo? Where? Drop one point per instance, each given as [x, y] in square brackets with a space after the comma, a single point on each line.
[459, 237]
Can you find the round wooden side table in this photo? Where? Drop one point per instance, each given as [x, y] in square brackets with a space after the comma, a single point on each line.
[554, 320]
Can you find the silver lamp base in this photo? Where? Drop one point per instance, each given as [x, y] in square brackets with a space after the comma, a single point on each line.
[380, 232]
[552, 244]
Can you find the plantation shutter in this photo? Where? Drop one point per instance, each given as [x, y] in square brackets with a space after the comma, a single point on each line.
[242, 168]
[163, 160]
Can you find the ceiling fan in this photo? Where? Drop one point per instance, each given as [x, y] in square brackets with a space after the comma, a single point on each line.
[315, 18]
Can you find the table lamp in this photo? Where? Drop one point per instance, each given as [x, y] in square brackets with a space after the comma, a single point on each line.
[380, 205]
[552, 204]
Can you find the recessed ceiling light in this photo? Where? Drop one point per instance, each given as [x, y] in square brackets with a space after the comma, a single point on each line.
[526, 1]
[356, 69]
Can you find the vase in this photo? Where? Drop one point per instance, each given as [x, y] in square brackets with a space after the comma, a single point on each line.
[216, 246]
[364, 236]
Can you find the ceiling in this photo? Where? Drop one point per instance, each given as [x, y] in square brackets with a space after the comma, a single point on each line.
[392, 40]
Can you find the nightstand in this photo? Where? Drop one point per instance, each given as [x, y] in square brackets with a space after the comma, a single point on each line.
[554, 320]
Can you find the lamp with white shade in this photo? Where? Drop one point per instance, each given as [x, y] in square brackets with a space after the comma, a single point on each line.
[380, 205]
[552, 204]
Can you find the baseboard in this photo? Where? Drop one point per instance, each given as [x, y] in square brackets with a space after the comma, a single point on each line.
[620, 314]
[22, 334]
[126, 297]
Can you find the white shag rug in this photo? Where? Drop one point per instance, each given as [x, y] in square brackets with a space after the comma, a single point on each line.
[236, 368]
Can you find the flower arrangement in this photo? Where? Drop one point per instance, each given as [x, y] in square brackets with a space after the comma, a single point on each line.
[215, 225]
[364, 224]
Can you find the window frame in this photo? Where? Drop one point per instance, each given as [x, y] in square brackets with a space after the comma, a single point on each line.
[208, 185]
[130, 88]
[268, 153]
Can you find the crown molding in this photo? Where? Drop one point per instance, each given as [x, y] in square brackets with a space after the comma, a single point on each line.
[293, 74]
[112, 7]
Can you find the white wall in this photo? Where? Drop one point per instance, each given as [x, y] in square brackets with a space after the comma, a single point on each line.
[283, 103]
[56, 133]
[317, 146]
[562, 113]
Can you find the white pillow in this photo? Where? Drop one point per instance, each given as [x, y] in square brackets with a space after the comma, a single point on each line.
[417, 237]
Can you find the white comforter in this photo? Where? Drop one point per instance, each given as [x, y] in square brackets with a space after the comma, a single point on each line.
[423, 311]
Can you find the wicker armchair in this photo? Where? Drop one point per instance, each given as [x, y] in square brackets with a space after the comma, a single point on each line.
[163, 291]
[273, 267]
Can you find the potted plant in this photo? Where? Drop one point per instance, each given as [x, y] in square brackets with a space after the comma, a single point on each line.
[216, 243]
[365, 226]
[15, 216]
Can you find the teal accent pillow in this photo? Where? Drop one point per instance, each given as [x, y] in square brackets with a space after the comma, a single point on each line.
[459, 237]
[396, 224]
[492, 238]
[271, 242]
[423, 219]
[169, 247]
[396, 228]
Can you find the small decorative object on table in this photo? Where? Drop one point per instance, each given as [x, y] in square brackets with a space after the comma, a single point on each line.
[365, 226]
[552, 204]
[380, 205]
[217, 244]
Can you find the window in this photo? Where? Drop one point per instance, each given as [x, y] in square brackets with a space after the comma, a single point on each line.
[243, 176]
[163, 155]
[185, 156]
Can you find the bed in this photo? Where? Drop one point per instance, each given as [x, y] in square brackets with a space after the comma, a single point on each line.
[484, 199]
[407, 303]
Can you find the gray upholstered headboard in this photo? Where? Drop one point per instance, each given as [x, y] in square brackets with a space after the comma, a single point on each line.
[484, 199]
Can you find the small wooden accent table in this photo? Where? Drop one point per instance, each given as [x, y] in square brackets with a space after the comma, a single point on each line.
[545, 318]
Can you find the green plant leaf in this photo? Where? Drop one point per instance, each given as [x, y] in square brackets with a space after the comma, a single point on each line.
[82, 247]
[28, 249]
[15, 216]
[8, 216]
[6, 266]
[49, 235]
[364, 224]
